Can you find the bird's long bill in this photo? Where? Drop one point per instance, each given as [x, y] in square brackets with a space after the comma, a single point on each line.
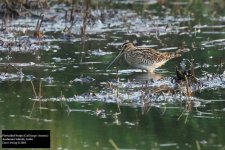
[117, 57]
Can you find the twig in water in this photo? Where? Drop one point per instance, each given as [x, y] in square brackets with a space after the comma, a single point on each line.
[40, 93]
[35, 96]
[181, 115]
[113, 144]
[187, 86]
[198, 145]
[117, 91]
[118, 106]
[62, 98]
[33, 88]
[39, 96]
[186, 119]
[32, 108]
[164, 110]
[185, 110]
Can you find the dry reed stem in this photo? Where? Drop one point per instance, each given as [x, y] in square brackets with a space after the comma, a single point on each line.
[83, 28]
[37, 33]
[33, 88]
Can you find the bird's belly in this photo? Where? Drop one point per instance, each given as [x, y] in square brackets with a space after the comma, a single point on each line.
[155, 65]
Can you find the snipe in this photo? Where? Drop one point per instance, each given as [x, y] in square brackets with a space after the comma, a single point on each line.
[145, 58]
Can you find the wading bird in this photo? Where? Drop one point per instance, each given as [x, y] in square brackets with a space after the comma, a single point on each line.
[145, 58]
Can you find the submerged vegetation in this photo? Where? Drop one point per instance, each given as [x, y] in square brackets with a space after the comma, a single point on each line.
[54, 56]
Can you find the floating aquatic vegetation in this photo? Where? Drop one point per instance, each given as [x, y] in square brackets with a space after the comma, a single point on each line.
[9, 76]
[83, 80]
[99, 52]
[137, 93]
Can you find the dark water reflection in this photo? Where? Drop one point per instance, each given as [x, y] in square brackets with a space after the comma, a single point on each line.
[156, 128]
[73, 68]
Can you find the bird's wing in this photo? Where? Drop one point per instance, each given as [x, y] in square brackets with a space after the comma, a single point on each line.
[153, 55]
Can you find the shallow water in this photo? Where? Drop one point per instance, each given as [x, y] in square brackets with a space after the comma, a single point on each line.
[88, 107]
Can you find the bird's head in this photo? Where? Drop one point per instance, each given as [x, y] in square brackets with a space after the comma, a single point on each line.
[127, 46]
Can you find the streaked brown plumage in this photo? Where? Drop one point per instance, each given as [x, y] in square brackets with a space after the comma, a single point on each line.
[145, 58]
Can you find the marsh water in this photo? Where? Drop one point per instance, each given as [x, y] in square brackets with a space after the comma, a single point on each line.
[60, 83]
